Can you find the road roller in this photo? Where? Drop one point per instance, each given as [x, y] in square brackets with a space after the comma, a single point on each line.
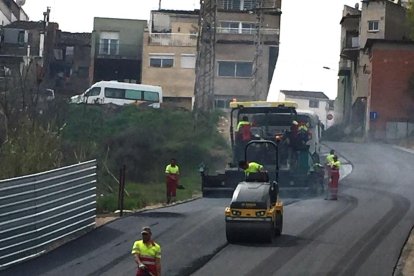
[255, 211]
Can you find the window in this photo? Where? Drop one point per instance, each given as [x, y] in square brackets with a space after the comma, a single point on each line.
[93, 92]
[314, 103]
[114, 93]
[188, 61]
[109, 43]
[238, 4]
[133, 94]
[235, 69]
[21, 38]
[231, 4]
[228, 27]
[162, 61]
[151, 96]
[248, 28]
[373, 26]
[109, 47]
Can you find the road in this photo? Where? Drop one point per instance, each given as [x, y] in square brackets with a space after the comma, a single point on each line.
[360, 234]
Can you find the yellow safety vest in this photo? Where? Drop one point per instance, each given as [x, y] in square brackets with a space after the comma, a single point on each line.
[335, 165]
[172, 170]
[242, 123]
[329, 159]
[148, 253]
[253, 168]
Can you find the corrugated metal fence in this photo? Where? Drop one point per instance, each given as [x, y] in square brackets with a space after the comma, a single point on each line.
[399, 130]
[40, 209]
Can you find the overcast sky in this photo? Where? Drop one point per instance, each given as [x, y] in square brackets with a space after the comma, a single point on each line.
[309, 38]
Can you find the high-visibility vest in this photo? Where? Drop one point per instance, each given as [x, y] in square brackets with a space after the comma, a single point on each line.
[172, 170]
[242, 123]
[253, 168]
[147, 253]
[335, 165]
[329, 159]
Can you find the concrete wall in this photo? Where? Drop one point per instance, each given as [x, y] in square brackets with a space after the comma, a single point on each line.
[392, 69]
[372, 10]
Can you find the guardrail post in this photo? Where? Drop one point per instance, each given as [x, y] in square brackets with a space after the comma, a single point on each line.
[121, 192]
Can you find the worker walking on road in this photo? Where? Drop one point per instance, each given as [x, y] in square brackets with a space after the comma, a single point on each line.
[328, 162]
[147, 254]
[334, 179]
[172, 173]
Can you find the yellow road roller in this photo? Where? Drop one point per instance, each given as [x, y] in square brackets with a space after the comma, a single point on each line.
[255, 210]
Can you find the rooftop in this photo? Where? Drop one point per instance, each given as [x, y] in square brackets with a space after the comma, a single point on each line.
[196, 12]
[305, 94]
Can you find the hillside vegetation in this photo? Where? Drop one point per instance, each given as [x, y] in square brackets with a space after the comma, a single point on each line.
[144, 140]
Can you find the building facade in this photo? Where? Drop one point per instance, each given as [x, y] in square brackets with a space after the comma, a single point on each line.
[241, 64]
[391, 94]
[169, 55]
[116, 49]
[315, 101]
[377, 19]
[10, 11]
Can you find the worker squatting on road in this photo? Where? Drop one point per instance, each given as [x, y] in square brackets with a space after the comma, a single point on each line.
[172, 172]
[334, 179]
[147, 254]
[250, 167]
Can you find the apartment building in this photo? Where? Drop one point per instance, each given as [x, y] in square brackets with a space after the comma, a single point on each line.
[11, 11]
[116, 49]
[169, 55]
[237, 51]
[376, 19]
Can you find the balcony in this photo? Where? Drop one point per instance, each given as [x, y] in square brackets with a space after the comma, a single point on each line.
[269, 36]
[118, 51]
[246, 5]
[173, 39]
[344, 67]
[350, 47]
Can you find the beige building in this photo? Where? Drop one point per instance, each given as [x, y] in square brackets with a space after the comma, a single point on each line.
[170, 50]
[236, 50]
[375, 19]
[169, 55]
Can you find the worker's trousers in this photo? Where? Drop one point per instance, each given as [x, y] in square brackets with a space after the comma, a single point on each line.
[333, 185]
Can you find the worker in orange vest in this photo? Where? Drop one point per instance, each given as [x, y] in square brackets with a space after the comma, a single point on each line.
[147, 254]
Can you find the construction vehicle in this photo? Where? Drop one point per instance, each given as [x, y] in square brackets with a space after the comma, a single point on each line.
[255, 210]
[299, 173]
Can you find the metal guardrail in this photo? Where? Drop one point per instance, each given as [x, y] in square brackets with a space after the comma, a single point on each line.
[41, 209]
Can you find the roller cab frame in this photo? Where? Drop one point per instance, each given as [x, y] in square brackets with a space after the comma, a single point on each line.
[255, 211]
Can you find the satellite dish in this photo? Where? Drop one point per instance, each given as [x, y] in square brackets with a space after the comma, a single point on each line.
[20, 2]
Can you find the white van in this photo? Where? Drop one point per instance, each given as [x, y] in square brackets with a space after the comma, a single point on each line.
[120, 93]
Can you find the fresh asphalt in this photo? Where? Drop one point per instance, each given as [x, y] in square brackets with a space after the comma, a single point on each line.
[360, 234]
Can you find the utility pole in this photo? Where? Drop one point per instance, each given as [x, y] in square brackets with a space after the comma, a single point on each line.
[259, 88]
[159, 5]
[206, 56]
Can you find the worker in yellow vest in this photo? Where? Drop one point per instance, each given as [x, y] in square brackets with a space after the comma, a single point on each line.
[172, 172]
[334, 180]
[147, 254]
[250, 167]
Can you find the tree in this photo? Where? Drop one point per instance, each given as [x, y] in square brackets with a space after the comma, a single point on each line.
[410, 18]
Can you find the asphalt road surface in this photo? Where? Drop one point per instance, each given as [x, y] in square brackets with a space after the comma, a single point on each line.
[360, 234]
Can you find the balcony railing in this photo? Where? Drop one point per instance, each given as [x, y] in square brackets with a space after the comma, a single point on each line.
[118, 51]
[247, 31]
[173, 39]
